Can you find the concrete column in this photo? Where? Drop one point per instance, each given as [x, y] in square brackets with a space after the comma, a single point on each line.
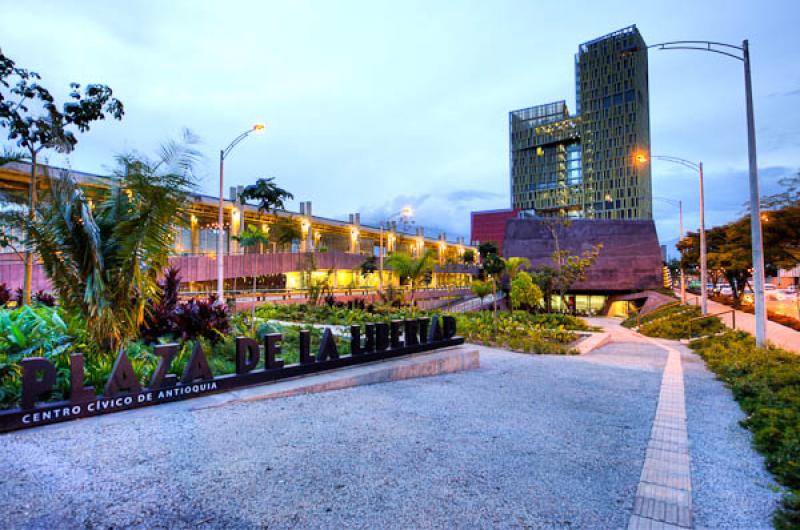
[195, 228]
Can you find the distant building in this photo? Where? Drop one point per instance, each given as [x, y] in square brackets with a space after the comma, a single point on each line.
[490, 225]
[330, 249]
[584, 165]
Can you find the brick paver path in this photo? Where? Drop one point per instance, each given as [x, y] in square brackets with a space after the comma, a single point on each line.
[664, 495]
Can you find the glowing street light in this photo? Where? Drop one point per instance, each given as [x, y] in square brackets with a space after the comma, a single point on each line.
[698, 167]
[223, 154]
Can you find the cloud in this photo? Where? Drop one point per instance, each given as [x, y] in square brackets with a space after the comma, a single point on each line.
[795, 92]
[473, 195]
[447, 212]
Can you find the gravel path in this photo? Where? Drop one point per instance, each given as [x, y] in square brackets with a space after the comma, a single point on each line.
[731, 487]
[525, 441]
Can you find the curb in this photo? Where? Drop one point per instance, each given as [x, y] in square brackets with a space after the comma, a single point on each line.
[447, 361]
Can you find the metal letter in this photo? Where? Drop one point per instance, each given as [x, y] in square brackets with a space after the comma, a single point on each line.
[161, 379]
[435, 331]
[305, 347]
[355, 339]
[77, 392]
[369, 343]
[395, 328]
[272, 347]
[423, 330]
[411, 334]
[197, 367]
[123, 378]
[247, 354]
[449, 325]
[32, 386]
[381, 336]
[327, 346]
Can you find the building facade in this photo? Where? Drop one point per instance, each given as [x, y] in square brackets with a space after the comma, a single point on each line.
[324, 249]
[490, 226]
[584, 165]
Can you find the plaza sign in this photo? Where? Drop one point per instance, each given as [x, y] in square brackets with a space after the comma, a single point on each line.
[123, 390]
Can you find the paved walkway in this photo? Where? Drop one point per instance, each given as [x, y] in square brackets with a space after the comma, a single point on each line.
[523, 442]
[778, 334]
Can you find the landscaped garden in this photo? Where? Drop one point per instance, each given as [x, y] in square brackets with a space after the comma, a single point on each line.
[543, 333]
[675, 321]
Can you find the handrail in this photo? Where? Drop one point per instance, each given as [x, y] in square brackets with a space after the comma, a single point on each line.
[731, 311]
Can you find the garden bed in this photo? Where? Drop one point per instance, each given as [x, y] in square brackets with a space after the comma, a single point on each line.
[675, 322]
[41, 331]
[517, 331]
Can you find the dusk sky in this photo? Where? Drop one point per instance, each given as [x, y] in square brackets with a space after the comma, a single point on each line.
[371, 106]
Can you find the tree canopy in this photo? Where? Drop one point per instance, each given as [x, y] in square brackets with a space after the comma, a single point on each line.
[270, 197]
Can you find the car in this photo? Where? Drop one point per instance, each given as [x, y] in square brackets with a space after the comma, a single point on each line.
[786, 294]
[726, 290]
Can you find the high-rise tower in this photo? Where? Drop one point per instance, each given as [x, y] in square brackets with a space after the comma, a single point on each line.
[584, 165]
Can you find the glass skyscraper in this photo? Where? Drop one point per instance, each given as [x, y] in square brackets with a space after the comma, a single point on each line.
[584, 164]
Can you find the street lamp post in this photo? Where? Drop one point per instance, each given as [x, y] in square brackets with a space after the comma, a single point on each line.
[404, 213]
[703, 258]
[731, 50]
[223, 154]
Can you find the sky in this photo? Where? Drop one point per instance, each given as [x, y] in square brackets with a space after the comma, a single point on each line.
[372, 106]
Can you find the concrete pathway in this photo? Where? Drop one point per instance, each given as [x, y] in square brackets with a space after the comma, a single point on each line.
[778, 334]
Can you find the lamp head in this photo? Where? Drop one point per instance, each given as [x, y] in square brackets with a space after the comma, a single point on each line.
[407, 211]
[259, 127]
[640, 158]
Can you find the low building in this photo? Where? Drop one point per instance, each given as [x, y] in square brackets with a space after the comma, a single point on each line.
[327, 248]
[629, 262]
[490, 225]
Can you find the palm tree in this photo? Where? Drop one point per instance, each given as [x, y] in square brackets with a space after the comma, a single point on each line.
[514, 265]
[481, 289]
[409, 269]
[284, 231]
[269, 196]
[104, 259]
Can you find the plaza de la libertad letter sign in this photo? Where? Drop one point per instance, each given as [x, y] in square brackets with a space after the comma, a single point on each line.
[123, 390]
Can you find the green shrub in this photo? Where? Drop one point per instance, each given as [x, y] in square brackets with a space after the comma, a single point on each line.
[520, 331]
[517, 330]
[51, 333]
[766, 383]
[673, 322]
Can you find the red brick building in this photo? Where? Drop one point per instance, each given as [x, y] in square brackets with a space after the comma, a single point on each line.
[490, 225]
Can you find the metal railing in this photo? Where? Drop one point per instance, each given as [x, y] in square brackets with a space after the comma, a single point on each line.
[712, 315]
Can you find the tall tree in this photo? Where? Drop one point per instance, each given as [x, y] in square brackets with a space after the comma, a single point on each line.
[270, 197]
[729, 247]
[411, 270]
[525, 294]
[516, 265]
[493, 267]
[486, 248]
[284, 231]
[29, 112]
[104, 259]
[481, 289]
